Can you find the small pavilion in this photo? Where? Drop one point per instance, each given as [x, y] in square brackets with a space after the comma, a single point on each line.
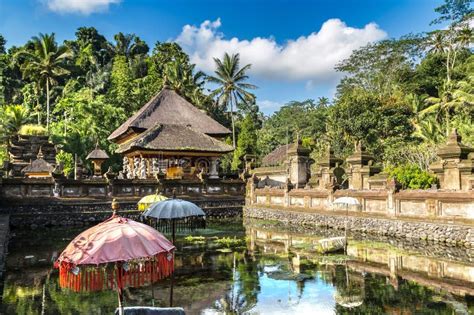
[38, 168]
[170, 136]
[97, 157]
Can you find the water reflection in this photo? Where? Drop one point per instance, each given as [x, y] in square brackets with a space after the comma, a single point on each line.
[265, 269]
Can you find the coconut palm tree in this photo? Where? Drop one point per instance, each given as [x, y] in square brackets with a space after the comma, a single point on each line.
[232, 88]
[128, 45]
[45, 64]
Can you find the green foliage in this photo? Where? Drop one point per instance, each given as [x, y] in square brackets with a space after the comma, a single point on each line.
[410, 176]
[230, 242]
[67, 160]
[361, 116]
[33, 130]
[12, 118]
[246, 143]
[307, 118]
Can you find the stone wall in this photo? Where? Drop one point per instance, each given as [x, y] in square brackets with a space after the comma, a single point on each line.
[454, 207]
[449, 234]
[76, 212]
[13, 189]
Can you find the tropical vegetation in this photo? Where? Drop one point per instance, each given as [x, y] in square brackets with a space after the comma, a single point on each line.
[399, 97]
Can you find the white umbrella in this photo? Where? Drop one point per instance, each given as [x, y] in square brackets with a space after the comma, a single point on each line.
[347, 201]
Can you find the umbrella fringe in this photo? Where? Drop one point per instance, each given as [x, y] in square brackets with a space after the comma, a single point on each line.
[96, 278]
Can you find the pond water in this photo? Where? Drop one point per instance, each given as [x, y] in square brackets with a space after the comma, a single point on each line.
[257, 268]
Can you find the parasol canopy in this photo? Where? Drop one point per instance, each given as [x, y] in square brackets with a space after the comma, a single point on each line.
[147, 201]
[348, 201]
[116, 253]
[170, 212]
[173, 209]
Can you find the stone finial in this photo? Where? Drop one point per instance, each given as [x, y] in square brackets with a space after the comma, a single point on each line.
[40, 155]
[298, 139]
[454, 137]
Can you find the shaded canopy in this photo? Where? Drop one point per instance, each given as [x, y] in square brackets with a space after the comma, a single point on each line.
[116, 239]
[173, 209]
[147, 201]
[346, 201]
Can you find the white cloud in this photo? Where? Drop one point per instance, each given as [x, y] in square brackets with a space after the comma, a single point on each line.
[268, 106]
[79, 6]
[310, 57]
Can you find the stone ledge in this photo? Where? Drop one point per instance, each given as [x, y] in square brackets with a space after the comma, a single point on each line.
[452, 235]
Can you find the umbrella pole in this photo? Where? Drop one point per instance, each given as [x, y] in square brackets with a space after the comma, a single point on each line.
[152, 287]
[173, 223]
[345, 229]
[174, 230]
[118, 282]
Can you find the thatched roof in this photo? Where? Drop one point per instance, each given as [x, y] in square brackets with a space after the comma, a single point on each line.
[174, 138]
[277, 156]
[169, 108]
[38, 166]
[97, 154]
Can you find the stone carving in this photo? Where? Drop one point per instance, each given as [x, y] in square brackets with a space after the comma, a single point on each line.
[56, 190]
[155, 166]
[125, 167]
[136, 167]
[142, 169]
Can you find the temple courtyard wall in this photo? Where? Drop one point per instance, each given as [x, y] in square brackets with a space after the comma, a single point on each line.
[50, 202]
[445, 217]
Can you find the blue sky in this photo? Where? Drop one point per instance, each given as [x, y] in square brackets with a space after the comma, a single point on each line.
[292, 45]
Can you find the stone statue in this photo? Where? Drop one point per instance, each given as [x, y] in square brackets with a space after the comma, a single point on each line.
[136, 167]
[155, 166]
[125, 167]
[56, 190]
[142, 169]
[120, 175]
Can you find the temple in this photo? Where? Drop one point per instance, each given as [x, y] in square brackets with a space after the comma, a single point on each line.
[170, 136]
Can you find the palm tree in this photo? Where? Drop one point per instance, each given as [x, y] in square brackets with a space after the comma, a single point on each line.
[45, 63]
[128, 45]
[232, 87]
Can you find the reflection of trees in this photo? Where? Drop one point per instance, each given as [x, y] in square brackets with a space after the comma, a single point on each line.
[245, 285]
[381, 298]
[46, 295]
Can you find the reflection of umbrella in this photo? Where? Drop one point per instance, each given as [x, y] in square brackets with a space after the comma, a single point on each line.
[172, 211]
[147, 201]
[351, 296]
[115, 254]
[347, 201]
[168, 212]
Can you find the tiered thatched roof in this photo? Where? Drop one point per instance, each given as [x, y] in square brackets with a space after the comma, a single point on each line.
[168, 108]
[174, 138]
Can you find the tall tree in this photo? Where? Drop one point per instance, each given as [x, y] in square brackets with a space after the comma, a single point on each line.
[232, 88]
[45, 63]
[129, 45]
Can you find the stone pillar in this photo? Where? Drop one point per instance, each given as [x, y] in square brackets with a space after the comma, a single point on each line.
[361, 165]
[455, 169]
[298, 159]
[328, 174]
[213, 173]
